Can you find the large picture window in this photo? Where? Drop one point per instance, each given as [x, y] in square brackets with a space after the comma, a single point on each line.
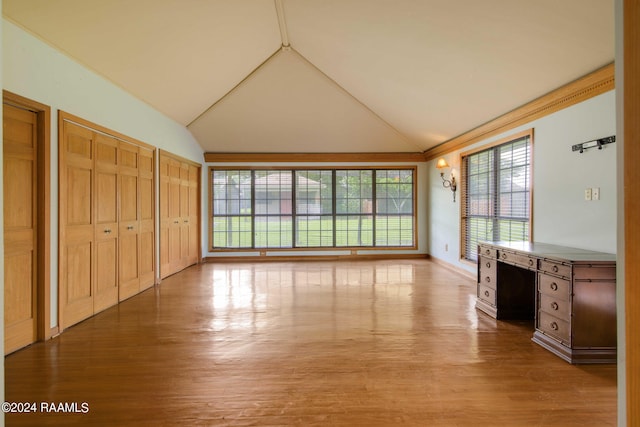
[496, 194]
[318, 208]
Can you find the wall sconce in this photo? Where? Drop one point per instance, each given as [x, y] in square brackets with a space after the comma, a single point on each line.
[442, 163]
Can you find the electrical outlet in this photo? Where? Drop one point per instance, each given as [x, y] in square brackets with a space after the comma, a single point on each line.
[587, 194]
[595, 193]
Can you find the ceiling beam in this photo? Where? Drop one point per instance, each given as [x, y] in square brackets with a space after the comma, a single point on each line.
[282, 23]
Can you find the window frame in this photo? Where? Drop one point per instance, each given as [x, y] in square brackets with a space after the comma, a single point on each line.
[294, 169]
[529, 133]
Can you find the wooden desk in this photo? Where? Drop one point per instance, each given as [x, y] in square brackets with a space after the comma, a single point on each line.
[570, 293]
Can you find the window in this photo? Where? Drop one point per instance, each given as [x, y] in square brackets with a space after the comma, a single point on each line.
[496, 193]
[318, 208]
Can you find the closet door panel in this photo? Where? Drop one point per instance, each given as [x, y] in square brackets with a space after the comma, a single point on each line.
[76, 225]
[165, 219]
[129, 227]
[147, 219]
[106, 230]
[193, 215]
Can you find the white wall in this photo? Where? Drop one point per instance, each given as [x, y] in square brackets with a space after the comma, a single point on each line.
[36, 71]
[420, 221]
[560, 176]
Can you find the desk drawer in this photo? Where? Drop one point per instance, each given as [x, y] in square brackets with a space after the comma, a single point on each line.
[555, 268]
[553, 326]
[554, 287]
[555, 307]
[487, 270]
[518, 259]
[594, 273]
[487, 251]
[487, 294]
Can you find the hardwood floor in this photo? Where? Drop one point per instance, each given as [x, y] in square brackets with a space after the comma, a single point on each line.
[311, 343]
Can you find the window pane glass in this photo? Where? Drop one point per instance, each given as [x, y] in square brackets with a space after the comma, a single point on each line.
[273, 232]
[394, 192]
[354, 230]
[394, 230]
[232, 232]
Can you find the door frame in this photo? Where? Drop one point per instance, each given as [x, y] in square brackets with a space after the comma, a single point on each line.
[43, 279]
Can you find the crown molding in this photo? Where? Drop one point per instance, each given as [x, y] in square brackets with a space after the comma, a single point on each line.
[593, 84]
[312, 157]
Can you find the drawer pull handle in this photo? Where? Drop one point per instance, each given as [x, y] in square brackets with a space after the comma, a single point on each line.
[531, 262]
[504, 256]
[555, 268]
[486, 293]
[554, 286]
[107, 230]
[554, 305]
[488, 265]
[488, 252]
[554, 326]
[129, 227]
[487, 279]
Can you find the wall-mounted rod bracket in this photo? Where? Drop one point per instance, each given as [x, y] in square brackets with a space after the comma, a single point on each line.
[595, 143]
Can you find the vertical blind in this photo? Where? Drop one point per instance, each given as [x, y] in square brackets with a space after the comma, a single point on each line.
[496, 188]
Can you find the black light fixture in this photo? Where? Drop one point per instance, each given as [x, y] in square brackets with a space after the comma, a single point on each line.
[446, 183]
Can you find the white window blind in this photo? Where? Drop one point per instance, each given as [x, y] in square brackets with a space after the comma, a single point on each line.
[496, 190]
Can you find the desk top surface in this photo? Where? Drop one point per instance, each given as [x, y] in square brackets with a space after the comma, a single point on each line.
[546, 250]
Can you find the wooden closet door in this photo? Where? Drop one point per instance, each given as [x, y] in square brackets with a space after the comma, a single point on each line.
[147, 223]
[165, 220]
[184, 215]
[193, 215]
[20, 220]
[175, 220]
[77, 227]
[106, 231]
[129, 221]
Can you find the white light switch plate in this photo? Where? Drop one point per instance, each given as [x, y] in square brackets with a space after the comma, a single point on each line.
[595, 193]
[587, 194]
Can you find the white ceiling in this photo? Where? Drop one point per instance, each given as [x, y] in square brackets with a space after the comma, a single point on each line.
[359, 75]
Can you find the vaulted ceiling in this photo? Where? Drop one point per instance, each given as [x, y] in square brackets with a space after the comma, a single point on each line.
[328, 75]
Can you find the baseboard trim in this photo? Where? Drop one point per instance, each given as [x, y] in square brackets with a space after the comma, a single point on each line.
[452, 267]
[294, 258]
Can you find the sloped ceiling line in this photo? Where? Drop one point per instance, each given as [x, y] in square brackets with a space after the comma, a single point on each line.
[233, 89]
[365, 106]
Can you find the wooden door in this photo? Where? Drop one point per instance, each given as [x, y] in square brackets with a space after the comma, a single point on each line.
[20, 227]
[179, 213]
[184, 215]
[129, 221]
[147, 219]
[106, 231]
[165, 220]
[77, 227]
[193, 253]
[175, 223]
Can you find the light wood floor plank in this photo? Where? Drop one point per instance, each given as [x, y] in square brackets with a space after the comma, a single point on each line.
[309, 343]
